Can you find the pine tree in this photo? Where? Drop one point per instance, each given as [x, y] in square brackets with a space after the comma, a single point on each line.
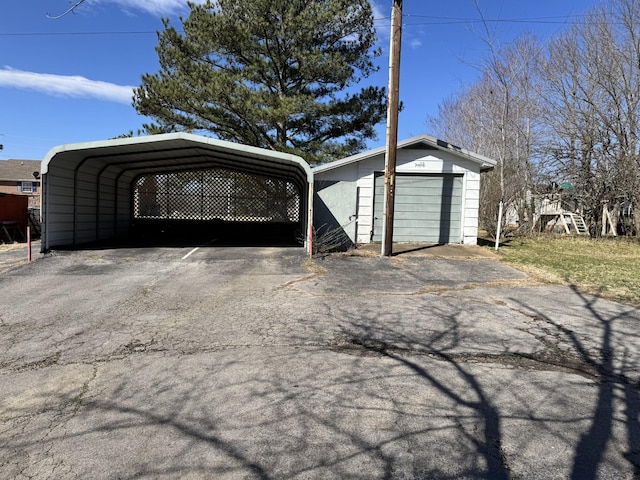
[277, 74]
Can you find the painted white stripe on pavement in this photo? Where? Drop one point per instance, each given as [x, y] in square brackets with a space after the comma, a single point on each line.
[192, 251]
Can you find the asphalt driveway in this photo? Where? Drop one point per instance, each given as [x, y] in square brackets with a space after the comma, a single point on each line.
[239, 363]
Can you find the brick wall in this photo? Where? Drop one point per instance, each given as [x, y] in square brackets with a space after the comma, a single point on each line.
[11, 187]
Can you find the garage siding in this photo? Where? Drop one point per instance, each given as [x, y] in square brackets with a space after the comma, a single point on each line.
[427, 208]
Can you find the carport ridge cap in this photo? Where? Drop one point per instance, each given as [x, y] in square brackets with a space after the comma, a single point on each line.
[164, 137]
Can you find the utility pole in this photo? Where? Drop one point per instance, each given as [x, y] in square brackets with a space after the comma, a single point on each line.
[393, 102]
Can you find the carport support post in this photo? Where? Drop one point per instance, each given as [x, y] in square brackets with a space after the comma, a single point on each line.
[392, 128]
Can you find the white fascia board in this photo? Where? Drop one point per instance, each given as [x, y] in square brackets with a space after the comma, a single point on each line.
[484, 162]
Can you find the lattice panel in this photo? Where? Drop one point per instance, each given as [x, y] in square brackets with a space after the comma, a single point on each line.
[215, 194]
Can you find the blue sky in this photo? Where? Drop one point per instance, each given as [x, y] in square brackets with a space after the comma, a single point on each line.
[69, 80]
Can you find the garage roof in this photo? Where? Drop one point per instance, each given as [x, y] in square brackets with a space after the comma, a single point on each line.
[420, 141]
[179, 151]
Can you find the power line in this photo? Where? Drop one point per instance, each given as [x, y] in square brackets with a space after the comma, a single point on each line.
[433, 20]
[473, 21]
[52, 34]
[560, 20]
[521, 19]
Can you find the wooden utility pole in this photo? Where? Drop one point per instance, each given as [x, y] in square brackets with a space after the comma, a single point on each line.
[393, 102]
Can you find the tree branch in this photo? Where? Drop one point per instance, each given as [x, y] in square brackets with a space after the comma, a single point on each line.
[75, 5]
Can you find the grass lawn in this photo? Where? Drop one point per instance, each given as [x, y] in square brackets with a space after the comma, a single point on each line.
[608, 267]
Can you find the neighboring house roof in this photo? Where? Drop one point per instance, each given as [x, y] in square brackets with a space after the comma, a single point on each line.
[421, 141]
[19, 170]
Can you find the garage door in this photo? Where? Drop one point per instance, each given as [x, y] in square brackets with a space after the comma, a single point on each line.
[427, 208]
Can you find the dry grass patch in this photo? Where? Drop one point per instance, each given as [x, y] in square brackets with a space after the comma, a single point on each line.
[11, 246]
[313, 267]
[607, 267]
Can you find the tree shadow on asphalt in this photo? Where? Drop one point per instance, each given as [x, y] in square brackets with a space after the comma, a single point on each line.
[484, 437]
[611, 380]
[291, 414]
[378, 336]
[293, 422]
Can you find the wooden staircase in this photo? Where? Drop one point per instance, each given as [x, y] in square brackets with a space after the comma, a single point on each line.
[574, 224]
[562, 222]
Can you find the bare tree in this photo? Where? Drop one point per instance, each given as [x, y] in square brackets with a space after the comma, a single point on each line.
[567, 113]
[67, 12]
[592, 90]
[498, 116]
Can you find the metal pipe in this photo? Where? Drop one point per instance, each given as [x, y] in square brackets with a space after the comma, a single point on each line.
[499, 227]
[28, 243]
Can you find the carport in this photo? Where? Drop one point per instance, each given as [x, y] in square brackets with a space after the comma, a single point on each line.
[175, 183]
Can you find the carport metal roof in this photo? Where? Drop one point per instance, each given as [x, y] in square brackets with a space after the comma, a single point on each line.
[174, 152]
[179, 151]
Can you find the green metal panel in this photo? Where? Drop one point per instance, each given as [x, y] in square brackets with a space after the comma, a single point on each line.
[428, 208]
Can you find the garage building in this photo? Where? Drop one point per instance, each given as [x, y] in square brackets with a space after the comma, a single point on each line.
[178, 184]
[436, 197]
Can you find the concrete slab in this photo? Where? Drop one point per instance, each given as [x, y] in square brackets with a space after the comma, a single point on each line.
[353, 275]
[433, 250]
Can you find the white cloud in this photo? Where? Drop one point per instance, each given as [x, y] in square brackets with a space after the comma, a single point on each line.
[156, 7]
[65, 86]
[382, 19]
[378, 12]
